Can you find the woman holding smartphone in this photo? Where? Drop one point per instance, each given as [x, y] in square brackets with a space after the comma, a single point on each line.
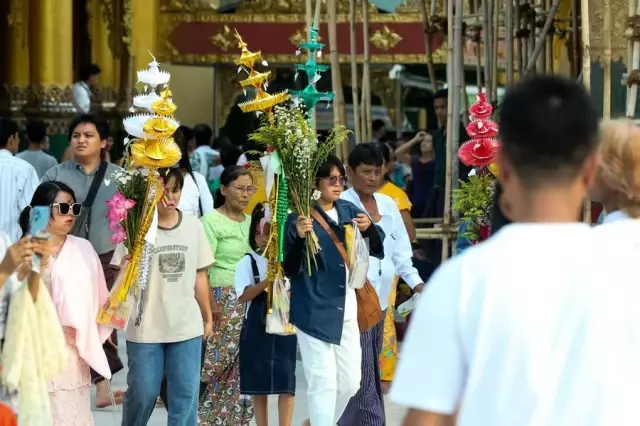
[74, 277]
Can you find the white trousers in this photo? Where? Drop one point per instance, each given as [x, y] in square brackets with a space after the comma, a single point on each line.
[332, 372]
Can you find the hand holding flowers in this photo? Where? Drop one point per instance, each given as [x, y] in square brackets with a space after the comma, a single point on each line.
[123, 212]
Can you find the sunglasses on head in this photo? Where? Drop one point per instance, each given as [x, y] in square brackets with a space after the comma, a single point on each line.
[68, 209]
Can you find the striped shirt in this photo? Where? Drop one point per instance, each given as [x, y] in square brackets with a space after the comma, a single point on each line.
[18, 182]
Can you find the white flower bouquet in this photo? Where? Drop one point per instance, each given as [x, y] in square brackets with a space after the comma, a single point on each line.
[301, 155]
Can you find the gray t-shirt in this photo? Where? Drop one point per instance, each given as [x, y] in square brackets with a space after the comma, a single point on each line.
[74, 175]
[40, 160]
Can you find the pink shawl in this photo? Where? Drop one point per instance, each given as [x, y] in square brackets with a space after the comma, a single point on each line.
[78, 290]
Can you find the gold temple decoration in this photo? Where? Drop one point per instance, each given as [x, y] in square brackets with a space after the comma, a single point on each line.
[223, 39]
[300, 36]
[17, 18]
[263, 101]
[164, 106]
[385, 39]
[155, 153]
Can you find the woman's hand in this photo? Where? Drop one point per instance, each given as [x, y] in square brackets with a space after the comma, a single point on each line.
[363, 221]
[17, 255]
[208, 330]
[304, 225]
[216, 309]
[124, 261]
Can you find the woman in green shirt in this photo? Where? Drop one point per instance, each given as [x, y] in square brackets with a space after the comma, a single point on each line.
[227, 229]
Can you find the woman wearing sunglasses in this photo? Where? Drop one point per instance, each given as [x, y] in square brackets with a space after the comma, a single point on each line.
[74, 277]
[324, 307]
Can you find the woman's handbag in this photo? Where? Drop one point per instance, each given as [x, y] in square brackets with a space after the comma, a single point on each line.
[369, 310]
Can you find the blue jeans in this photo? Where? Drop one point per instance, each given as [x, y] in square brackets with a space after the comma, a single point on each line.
[148, 364]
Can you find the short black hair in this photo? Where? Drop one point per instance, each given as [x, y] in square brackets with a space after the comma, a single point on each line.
[365, 153]
[202, 134]
[498, 219]
[331, 162]
[378, 124]
[8, 128]
[36, 130]
[87, 71]
[441, 94]
[548, 128]
[102, 127]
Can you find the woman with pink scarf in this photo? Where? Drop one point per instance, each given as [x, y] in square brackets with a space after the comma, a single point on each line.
[74, 277]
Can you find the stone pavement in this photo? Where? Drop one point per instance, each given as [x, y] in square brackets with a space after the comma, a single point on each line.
[106, 417]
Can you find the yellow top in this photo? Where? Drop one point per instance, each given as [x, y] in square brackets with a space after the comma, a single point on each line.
[397, 194]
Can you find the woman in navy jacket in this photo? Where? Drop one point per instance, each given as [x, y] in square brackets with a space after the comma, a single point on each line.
[323, 307]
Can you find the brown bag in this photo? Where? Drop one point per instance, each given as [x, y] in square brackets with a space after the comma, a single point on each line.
[369, 310]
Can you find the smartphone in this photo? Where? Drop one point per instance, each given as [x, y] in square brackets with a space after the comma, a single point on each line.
[38, 222]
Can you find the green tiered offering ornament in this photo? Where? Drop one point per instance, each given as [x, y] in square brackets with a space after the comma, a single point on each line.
[310, 95]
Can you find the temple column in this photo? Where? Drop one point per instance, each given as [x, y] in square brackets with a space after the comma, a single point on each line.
[18, 55]
[144, 32]
[105, 52]
[51, 67]
[51, 43]
[101, 52]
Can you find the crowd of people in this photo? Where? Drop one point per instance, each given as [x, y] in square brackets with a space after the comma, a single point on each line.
[537, 325]
[208, 280]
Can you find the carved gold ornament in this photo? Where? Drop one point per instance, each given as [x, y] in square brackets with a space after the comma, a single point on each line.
[223, 39]
[300, 36]
[385, 39]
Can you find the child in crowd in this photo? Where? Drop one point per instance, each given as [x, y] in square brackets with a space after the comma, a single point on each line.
[267, 361]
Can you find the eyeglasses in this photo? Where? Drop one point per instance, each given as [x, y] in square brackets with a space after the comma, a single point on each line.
[250, 190]
[68, 209]
[335, 180]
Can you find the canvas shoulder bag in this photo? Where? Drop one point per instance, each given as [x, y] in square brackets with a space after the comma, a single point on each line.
[83, 222]
[369, 310]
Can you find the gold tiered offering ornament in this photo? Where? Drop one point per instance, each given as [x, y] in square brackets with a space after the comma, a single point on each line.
[263, 102]
[276, 186]
[152, 147]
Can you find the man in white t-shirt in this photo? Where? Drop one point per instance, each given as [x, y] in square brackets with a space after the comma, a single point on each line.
[539, 325]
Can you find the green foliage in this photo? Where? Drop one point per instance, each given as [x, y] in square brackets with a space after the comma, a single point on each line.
[299, 150]
[473, 201]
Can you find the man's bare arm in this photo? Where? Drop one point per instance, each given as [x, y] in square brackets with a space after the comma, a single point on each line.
[425, 418]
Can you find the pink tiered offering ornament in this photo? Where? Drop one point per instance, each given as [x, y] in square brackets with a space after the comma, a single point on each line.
[480, 150]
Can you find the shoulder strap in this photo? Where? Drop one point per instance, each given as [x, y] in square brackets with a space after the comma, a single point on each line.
[95, 185]
[343, 252]
[254, 269]
[199, 198]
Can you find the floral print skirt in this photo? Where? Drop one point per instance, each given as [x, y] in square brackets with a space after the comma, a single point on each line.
[389, 354]
[222, 404]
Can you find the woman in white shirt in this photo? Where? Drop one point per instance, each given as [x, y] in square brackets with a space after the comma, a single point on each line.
[196, 198]
[617, 183]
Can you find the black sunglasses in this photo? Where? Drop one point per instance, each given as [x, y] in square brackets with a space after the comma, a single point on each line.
[66, 209]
